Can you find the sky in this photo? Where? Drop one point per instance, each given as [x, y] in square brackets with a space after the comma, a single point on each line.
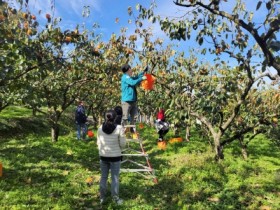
[105, 13]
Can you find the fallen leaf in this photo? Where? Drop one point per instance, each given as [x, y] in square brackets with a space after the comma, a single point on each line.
[213, 199]
[265, 208]
[69, 152]
[65, 173]
[28, 180]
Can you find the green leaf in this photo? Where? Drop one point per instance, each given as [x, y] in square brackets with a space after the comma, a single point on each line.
[129, 10]
[138, 7]
[200, 41]
[275, 46]
[203, 51]
[268, 5]
[259, 5]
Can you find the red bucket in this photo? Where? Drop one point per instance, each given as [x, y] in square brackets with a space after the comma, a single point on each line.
[90, 134]
[148, 84]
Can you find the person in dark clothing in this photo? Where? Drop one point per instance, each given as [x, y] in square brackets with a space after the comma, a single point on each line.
[118, 110]
[80, 120]
[162, 126]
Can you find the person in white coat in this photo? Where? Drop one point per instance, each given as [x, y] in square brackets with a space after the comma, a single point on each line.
[111, 141]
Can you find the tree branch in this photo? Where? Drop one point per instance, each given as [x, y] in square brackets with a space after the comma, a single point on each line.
[204, 121]
[248, 27]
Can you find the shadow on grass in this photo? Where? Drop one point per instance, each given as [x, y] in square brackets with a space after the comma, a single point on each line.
[39, 172]
[22, 127]
[146, 195]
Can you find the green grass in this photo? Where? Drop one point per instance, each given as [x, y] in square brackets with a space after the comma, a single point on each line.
[39, 174]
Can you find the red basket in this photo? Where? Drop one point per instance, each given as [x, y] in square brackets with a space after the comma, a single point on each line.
[90, 134]
[148, 84]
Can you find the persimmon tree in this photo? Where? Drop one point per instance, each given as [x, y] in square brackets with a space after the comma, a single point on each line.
[86, 73]
[216, 97]
[54, 84]
[229, 28]
[258, 116]
[105, 93]
[17, 51]
[39, 69]
[229, 33]
[55, 67]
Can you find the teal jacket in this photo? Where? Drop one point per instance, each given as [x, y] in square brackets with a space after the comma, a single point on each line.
[128, 87]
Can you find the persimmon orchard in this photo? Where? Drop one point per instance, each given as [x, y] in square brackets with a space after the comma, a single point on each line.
[38, 72]
[215, 96]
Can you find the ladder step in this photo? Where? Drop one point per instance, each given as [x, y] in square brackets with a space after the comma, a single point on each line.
[129, 164]
[130, 126]
[135, 170]
[142, 154]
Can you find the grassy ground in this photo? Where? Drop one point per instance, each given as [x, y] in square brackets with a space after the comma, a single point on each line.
[39, 174]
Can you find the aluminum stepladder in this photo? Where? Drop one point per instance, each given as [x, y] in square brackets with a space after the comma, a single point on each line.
[135, 160]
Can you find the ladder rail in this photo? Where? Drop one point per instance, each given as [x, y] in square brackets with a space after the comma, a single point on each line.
[135, 153]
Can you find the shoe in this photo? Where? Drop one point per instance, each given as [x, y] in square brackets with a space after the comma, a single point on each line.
[118, 201]
[102, 201]
[132, 130]
[160, 139]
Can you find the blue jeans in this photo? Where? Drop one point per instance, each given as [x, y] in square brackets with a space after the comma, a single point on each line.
[81, 131]
[105, 166]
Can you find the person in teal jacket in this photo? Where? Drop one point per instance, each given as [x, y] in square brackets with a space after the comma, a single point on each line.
[129, 93]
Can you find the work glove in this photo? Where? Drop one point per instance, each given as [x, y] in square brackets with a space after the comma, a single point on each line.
[144, 78]
[146, 69]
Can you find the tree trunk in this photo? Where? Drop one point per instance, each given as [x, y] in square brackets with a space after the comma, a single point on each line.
[152, 121]
[188, 128]
[140, 118]
[54, 118]
[188, 133]
[219, 149]
[176, 130]
[34, 112]
[219, 152]
[243, 148]
[95, 121]
[55, 132]
[100, 119]
[146, 119]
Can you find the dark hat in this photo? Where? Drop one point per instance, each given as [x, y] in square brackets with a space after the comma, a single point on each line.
[110, 115]
[118, 109]
[125, 68]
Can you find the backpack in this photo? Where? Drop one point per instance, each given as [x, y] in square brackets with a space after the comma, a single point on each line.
[80, 115]
[161, 125]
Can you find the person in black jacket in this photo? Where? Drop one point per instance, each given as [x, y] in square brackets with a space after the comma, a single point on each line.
[80, 120]
[118, 110]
